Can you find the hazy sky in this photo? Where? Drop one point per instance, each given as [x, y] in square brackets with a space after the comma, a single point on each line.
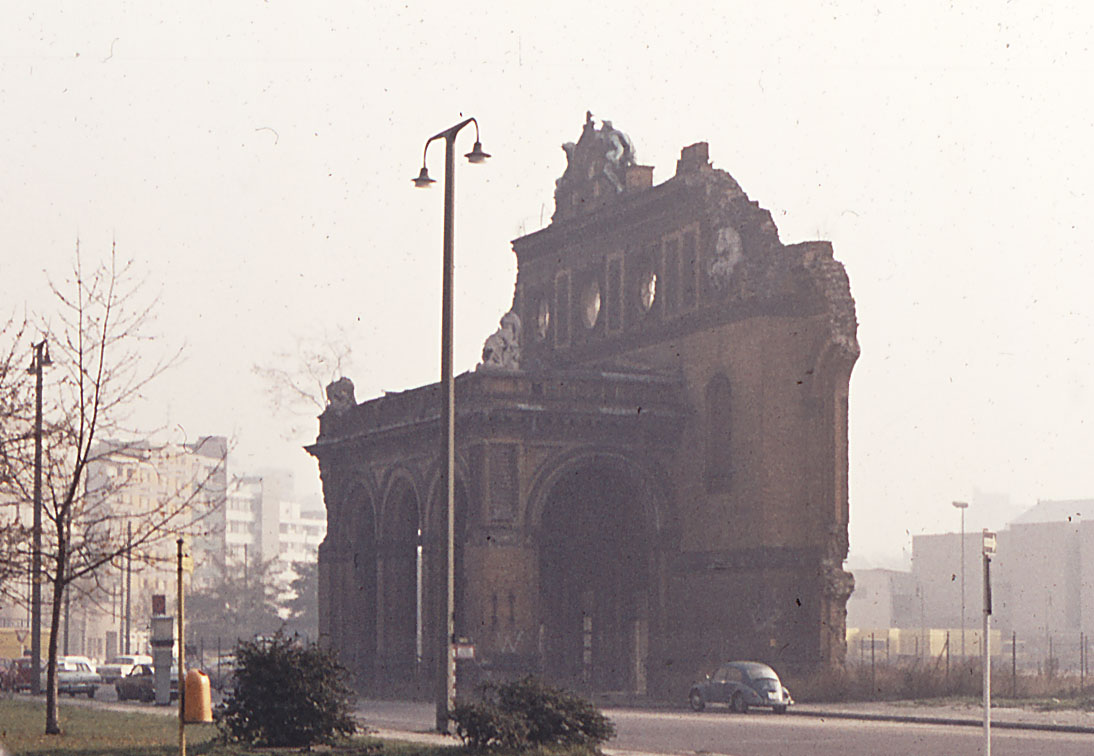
[255, 159]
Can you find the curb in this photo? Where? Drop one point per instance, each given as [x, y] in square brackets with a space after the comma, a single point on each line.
[962, 722]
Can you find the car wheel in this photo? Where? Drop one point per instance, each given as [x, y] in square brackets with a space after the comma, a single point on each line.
[738, 703]
[90, 692]
[696, 701]
[779, 709]
[121, 696]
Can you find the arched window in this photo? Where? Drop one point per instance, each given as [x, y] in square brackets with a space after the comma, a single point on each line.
[718, 461]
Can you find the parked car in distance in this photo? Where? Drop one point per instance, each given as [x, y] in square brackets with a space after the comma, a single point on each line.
[120, 666]
[75, 675]
[21, 673]
[140, 684]
[741, 685]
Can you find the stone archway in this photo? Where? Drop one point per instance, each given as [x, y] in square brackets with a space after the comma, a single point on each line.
[399, 580]
[358, 631]
[595, 545]
[432, 595]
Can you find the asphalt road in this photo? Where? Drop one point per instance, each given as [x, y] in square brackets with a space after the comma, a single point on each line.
[766, 734]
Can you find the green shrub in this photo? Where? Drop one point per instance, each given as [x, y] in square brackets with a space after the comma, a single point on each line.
[527, 712]
[287, 693]
[483, 725]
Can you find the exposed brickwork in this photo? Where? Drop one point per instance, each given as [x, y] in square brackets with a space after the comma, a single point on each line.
[608, 535]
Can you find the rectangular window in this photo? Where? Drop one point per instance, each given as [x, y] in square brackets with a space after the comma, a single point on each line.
[672, 276]
[614, 294]
[562, 309]
[689, 264]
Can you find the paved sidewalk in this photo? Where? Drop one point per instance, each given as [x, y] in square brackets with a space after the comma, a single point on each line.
[1003, 717]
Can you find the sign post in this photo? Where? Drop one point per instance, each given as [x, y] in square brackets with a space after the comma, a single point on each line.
[988, 549]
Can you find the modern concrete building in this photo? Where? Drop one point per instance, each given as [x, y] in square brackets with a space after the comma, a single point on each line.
[651, 460]
[1042, 586]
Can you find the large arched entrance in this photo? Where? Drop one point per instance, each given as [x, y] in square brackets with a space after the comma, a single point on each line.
[594, 573]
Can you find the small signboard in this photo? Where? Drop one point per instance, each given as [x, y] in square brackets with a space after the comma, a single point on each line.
[463, 651]
[989, 542]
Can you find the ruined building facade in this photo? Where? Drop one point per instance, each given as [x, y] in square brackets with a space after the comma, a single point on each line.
[651, 461]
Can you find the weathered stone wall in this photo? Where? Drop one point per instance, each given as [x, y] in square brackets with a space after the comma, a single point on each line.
[679, 370]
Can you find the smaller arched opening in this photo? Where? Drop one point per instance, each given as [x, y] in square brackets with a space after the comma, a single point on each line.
[399, 552]
[433, 583]
[353, 599]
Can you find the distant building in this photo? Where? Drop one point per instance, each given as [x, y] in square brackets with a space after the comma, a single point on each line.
[1046, 574]
[140, 482]
[883, 599]
[265, 520]
[936, 571]
[1042, 586]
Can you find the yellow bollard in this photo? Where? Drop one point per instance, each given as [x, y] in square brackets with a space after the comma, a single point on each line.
[198, 706]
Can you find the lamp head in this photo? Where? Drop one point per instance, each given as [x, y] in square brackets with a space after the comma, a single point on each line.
[40, 358]
[423, 181]
[961, 504]
[477, 155]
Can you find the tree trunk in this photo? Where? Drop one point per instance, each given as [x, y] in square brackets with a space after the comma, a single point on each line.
[53, 727]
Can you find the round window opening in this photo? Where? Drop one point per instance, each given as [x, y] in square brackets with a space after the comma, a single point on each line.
[647, 292]
[590, 304]
[543, 319]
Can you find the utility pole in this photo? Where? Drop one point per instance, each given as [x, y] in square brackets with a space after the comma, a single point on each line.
[40, 360]
[987, 548]
[128, 583]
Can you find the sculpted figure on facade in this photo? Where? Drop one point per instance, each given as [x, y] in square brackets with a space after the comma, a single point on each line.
[340, 396]
[618, 152]
[502, 348]
[601, 154]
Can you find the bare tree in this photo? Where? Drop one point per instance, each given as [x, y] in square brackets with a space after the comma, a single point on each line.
[14, 409]
[298, 379]
[101, 365]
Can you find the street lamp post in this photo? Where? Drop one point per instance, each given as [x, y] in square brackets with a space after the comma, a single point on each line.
[962, 505]
[40, 360]
[446, 684]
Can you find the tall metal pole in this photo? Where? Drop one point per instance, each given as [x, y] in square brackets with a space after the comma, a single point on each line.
[446, 677]
[36, 556]
[447, 690]
[987, 548]
[182, 657]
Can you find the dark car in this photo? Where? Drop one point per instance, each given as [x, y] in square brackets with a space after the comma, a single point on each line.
[21, 673]
[140, 684]
[741, 684]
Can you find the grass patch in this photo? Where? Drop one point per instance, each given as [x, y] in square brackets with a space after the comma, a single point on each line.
[90, 731]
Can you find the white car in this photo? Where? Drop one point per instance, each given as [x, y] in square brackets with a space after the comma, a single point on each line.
[75, 675]
[120, 666]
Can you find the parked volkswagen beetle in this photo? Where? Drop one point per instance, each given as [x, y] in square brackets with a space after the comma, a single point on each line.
[741, 684]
